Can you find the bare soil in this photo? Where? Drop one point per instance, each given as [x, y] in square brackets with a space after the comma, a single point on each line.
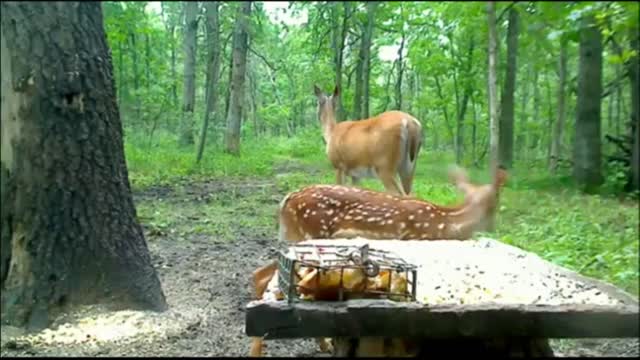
[206, 282]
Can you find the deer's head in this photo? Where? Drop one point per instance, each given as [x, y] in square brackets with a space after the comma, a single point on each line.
[326, 105]
[483, 199]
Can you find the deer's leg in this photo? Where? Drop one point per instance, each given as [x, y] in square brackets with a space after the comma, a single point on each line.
[407, 181]
[256, 347]
[390, 182]
[339, 177]
[324, 344]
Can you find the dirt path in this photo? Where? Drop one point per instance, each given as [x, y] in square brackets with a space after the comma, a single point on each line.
[205, 279]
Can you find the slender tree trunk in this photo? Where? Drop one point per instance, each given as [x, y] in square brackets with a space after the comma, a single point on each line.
[339, 35]
[474, 130]
[69, 233]
[507, 101]
[468, 89]
[587, 155]
[634, 77]
[618, 103]
[136, 75]
[556, 144]
[493, 99]
[534, 135]
[445, 113]
[236, 99]
[174, 74]
[359, 83]
[147, 60]
[521, 138]
[189, 95]
[366, 69]
[213, 70]
[400, 61]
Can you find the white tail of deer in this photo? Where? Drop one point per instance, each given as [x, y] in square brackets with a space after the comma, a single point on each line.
[381, 146]
[336, 211]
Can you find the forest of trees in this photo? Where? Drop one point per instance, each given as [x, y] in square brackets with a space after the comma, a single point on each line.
[515, 84]
[564, 81]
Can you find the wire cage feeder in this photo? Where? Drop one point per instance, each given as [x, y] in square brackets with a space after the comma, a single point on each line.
[338, 258]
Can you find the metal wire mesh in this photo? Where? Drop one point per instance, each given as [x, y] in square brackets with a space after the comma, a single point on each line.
[340, 258]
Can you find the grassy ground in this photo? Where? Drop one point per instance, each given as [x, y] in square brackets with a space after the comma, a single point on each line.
[596, 235]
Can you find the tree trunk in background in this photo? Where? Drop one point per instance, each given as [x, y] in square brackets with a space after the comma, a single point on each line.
[236, 99]
[474, 130]
[493, 96]
[363, 67]
[147, 60]
[521, 137]
[69, 230]
[136, 76]
[556, 143]
[366, 68]
[338, 39]
[189, 94]
[213, 70]
[398, 88]
[618, 102]
[634, 78]
[507, 106]
[468, 89]
[532, 139]
[587, 144]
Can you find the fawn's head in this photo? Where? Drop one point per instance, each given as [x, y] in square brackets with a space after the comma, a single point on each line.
[483, 200]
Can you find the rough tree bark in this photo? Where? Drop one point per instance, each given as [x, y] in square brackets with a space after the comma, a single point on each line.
[189, 94]
[493, 97]
[236, 99]
[559, 125]
[213, 70]
[507, 101]
[69, 233]
[587, 155]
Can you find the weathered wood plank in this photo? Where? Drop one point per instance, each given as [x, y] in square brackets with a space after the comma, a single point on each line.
[358, 318]
[557, 302]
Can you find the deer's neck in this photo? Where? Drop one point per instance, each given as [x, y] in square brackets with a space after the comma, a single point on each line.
[328, 124]
[452, 223]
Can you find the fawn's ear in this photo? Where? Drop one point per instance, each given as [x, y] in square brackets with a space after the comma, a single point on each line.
[458, 176]
[500, 178]
[318, 92]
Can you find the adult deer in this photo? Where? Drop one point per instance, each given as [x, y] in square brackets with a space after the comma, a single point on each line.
[335, 211]
[381, 146]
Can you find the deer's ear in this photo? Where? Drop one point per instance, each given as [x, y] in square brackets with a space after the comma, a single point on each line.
[501, 178]
[317, 91]
[458, 176]
[336, 91]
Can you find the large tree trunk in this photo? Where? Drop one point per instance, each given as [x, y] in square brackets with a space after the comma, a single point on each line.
[507, 106]
[189, 94]
[213, 70]
[69, 233]
[493, 96]
[587, 144]
[236, 99]
[559, 125]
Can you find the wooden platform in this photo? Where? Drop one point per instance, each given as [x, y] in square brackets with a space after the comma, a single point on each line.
[476, 289]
